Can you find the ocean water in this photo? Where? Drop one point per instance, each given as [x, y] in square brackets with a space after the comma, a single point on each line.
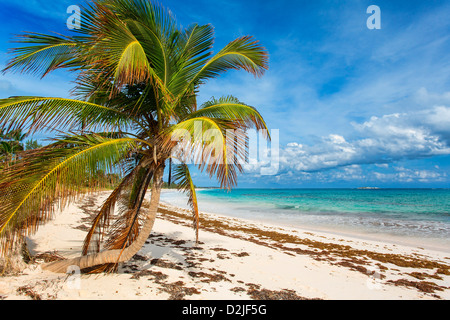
[418, 215]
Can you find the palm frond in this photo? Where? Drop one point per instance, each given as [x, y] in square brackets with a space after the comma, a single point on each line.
[101, 222]
[243, 53]
[231, 109]
[131, 44]
[195, 47]
[183, 178]
[203, 140]
[129, 196]
[121, 56]
[45, 179]
[127, 226]
[47, 53]
[49, 114]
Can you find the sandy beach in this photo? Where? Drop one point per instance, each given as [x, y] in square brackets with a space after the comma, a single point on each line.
[236, 259]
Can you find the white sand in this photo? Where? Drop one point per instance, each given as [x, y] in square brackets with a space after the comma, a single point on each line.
[222, 267]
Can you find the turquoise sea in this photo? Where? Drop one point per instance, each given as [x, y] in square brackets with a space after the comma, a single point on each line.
[422, 215]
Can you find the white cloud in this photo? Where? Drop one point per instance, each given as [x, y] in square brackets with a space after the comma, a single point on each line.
[382, 140]
[411, 175]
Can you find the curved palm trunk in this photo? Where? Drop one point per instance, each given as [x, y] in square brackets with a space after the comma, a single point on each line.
[117, 256]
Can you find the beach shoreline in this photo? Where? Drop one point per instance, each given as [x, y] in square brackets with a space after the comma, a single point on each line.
[236, 259]
[423, 243]
[433, 244]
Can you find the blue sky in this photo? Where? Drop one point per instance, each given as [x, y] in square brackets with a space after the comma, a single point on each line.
[355, 107]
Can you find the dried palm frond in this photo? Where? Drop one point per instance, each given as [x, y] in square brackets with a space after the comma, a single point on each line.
[183, 178]
[128, 220]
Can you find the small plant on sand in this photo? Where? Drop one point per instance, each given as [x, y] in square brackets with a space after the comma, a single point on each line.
[134, 108]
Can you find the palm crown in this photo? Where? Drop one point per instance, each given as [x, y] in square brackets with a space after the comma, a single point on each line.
[138, 75]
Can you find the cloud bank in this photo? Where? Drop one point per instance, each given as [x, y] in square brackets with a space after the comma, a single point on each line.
[382, 143]
[384, 139]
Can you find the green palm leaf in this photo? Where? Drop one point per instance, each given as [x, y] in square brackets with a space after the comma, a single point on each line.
[132, 45]
[48, 114]
[30, 187]
[120, 55]
[243, 53]
[231, 109]
[195, 48]
[48, 53]
[207, 146]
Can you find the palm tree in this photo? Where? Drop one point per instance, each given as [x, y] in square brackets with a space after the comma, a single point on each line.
[138, 76]
[10, 144]
[32, 144]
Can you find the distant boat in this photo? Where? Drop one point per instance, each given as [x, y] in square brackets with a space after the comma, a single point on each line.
[369, 188]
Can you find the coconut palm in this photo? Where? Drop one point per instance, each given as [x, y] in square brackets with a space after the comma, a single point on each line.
[10, 144]
[134, 109]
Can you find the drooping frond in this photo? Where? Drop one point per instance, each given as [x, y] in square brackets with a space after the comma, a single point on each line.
[45, 179]
[203, 141]
[125, 203]
[243, 53]
[183, 178]
[127, 226]
[101, 222]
